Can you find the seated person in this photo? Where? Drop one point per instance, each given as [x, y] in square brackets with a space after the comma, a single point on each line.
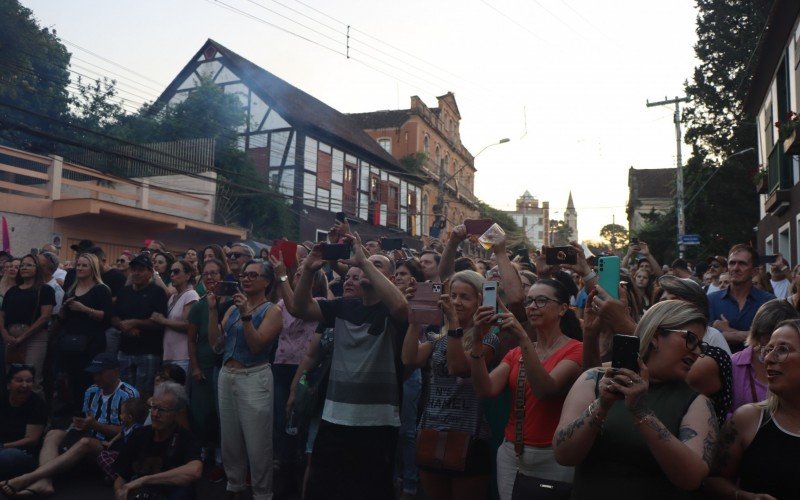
[23, 415]
[132, 413]
[163, 458]
[63, 450]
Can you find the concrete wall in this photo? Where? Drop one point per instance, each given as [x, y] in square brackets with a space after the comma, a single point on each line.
[27, 231]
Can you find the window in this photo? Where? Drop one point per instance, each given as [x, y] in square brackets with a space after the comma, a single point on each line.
[411, 202]
[392, 204]
[447, 165]
[386, 144]
[784, 243]
[260, 159]
[350, 189]
[324, 166]
[426, 143]
[438, 156]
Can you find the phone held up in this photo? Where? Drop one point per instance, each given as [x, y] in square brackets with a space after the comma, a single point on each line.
[608, 275]
[625, 352]
[335, 251]
[490, 294]
[477, 226]
[423, 307]
[391, 243]
[561, 255]
[226, 288]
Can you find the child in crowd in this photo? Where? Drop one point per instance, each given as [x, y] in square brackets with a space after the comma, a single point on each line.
[132, 415]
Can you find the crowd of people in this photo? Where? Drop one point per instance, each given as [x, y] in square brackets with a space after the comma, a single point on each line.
[392, 373]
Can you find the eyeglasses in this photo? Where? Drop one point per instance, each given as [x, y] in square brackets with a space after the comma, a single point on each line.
[173, 272]
[209, 274]
[692, 341]
[252, 276]
[160, 409]
[122, 261]
[539, 301]
[236, 255]
[781, 351]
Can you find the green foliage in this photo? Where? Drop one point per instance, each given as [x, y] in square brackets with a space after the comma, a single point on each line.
[515, 236]
[725, 210]
[561, 232]
[33, 76]
[615, 235]
[415, 161]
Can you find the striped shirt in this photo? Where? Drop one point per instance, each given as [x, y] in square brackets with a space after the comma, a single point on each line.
[105, 408]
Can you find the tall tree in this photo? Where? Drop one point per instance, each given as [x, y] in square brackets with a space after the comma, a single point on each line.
[722, 209]
[33, 77]
[615, 235]
[560, 233]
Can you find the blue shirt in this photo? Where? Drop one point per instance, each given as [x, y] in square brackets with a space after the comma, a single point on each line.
[235, 344]
[105, 409]
[722, 303]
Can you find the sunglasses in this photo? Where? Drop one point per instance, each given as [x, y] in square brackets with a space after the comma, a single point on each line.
[236, 255]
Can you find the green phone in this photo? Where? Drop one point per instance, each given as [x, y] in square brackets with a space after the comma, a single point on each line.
[608, 275]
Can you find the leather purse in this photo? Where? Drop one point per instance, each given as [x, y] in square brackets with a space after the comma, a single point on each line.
[16, 354]
[444, 450]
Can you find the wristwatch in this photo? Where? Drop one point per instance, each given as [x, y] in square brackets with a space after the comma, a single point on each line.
[283, 278]
[246, 318]
[456, 334]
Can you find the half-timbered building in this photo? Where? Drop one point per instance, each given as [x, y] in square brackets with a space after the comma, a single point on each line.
[317, 157]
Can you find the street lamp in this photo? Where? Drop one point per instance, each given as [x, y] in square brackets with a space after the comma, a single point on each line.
[444, 179]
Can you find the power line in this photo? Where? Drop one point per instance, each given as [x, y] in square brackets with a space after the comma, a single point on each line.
[111, 62]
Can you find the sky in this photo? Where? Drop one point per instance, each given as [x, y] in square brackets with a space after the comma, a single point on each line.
[566, 81]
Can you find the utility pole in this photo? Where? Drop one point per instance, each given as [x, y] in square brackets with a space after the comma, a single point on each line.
[679, 175]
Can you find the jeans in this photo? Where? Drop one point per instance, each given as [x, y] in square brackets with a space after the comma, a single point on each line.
[112, 340]
[286, 447]
[245, 404]
[537, 462]
[15, 462]
[139, 370]
[406, 469]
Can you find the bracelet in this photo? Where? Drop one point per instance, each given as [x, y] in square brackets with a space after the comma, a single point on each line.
[592, 275]
[641, 419]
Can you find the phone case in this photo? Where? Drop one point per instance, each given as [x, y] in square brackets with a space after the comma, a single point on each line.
[423, 308]
[335, 251]
[561, 255]
[625, 352]
[490, 294]
[391, 243]
[289, 251]
[608, 275]
[477, 226]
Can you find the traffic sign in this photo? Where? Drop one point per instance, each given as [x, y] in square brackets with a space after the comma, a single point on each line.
[689, 239]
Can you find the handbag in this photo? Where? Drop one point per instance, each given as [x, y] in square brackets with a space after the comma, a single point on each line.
[531, 487]
[444, 450]
[16, 354]
[310, 397]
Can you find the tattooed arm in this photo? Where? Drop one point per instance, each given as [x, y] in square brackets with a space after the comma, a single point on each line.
[735, 437]
[582, 418]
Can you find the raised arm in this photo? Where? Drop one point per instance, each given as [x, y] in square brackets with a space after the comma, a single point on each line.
[447, 264]
[303, 305]
[509, 276]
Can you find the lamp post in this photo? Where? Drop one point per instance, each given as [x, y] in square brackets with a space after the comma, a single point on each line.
[444, 179]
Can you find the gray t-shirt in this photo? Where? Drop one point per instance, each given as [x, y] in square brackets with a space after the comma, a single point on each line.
[366, 374]
[453, 404]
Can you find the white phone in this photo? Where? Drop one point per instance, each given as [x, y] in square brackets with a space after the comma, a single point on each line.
[490, 294]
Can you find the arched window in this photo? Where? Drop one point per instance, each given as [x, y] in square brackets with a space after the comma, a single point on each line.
[426, 146]
[438, 156]
[455, 169]
[445, 162]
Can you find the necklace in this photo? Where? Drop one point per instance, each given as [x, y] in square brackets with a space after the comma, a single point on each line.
[546, 353]
[255, 307]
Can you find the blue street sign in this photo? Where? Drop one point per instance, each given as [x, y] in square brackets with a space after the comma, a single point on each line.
[689, 239]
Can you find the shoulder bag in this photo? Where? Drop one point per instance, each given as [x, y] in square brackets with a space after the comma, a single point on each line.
[531, 487]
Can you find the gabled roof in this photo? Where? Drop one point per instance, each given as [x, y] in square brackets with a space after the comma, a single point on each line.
[390, 118]
[300, 109]
[768, 53]
[451, 99]
[651, 182]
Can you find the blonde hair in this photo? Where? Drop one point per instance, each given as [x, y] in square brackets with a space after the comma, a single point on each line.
[773, 401]
[476, 281]
[94, 265]
[768, 316]
[668, 314]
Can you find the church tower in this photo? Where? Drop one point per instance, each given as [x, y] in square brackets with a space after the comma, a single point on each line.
[571, 218]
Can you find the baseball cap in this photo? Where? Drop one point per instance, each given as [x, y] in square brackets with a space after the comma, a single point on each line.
[143, 260]
[103, 361]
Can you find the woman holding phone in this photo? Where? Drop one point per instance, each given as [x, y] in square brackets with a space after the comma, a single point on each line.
[543, 370]
[453, 406]
[642, 434]
[248, 329]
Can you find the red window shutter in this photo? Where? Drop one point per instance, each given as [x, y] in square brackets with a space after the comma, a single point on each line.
[412, 207]
[384, 197]
[324, 167]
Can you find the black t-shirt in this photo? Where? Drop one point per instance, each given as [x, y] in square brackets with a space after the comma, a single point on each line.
[15, 418]
[99, 298]
[141, 304]
[113, 278]
[19, 304]
[142, 456]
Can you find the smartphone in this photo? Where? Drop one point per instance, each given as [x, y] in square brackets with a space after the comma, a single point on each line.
[477, 226]
[391, 243]
[561, 255]
[608, 275]
[625, 352]
[286, 248]
[335, 251]
[226, 288]
[768, 259]
[423, 307]
[341, 216]
[490, 294]
[634, 241]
